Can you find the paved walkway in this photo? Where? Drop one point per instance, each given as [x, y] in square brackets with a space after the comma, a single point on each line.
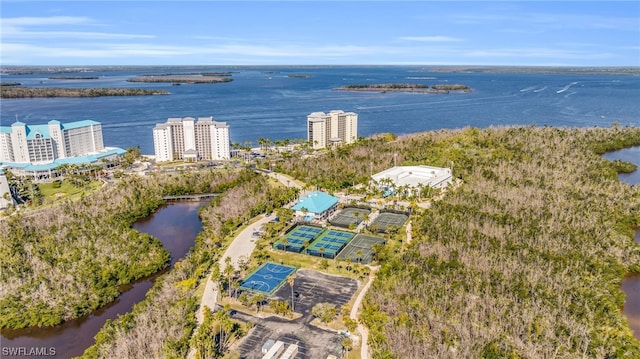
[241, 247]
[284, 179]
[364, 333]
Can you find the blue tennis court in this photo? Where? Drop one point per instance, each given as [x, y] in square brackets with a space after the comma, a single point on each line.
[329, 243]
[297, 238]
[267, 278]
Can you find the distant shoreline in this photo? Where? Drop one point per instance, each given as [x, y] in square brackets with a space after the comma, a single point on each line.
[587, 70]
[73, 78]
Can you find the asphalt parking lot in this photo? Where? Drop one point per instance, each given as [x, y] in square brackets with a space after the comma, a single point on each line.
[312, 287]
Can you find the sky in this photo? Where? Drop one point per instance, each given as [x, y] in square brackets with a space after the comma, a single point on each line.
[536, 33]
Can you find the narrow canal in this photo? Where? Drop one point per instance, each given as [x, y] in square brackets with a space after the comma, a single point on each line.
[631, 283]
[176, 224]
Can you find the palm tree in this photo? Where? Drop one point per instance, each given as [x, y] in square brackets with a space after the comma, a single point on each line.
[285, 242]
[347, 344]
[291, 281]
[258, 299]
[228, 272]
[306, 244]
[236, 286]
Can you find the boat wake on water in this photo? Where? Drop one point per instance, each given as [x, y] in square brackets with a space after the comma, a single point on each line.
[566, 87]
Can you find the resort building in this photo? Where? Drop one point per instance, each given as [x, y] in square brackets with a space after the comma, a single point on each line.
[22, 143]
[411, 178]
[316, 205]
[191, 140]
[336, 127]
[36, 150]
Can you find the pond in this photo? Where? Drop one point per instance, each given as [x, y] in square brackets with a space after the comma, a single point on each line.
[631, 283]
[176, 224]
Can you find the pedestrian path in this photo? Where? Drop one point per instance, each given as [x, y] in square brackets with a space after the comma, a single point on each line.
[241, 247]
[364, 333]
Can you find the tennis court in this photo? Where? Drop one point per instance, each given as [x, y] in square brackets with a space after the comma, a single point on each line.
[360, 249]
[297, 237]
[348, 216]
[329, 243]
[387, 220]
[267, 278]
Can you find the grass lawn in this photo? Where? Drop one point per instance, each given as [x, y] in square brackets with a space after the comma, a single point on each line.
[66, 190]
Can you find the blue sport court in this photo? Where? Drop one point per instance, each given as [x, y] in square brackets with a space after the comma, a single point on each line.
[267, 278]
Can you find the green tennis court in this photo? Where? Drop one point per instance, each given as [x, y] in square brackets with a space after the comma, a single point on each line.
[360, 249]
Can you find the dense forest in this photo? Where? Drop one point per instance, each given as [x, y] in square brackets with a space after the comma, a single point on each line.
[162, 325]
[63, 262]
[524, 260]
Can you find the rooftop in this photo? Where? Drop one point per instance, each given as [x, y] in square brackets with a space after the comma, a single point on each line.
[413, 176]
[92, 158]
[315, 202]
[43, 130]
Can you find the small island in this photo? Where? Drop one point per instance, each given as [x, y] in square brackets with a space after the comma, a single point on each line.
[73, 78]
[299, 76]
[31, 92]
[417, 88]
[205, 78]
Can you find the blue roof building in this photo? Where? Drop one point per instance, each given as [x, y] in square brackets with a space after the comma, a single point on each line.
[317, 203]
[36, 150]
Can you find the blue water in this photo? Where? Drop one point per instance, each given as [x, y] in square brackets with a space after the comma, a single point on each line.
[264, 102]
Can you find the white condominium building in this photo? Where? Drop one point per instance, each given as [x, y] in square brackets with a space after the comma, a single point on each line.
[41, 144]
[188, 139]
[333, 128]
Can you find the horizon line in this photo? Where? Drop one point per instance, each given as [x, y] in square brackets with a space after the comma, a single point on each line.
[327, 65]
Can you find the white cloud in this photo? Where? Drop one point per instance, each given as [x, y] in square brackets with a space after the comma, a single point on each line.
[39, 21]
[76, 35]
[537, 21]
[18, 28]
[543, 53]
[14, 52]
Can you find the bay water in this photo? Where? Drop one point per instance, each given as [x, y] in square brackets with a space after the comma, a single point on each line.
[273, 102]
